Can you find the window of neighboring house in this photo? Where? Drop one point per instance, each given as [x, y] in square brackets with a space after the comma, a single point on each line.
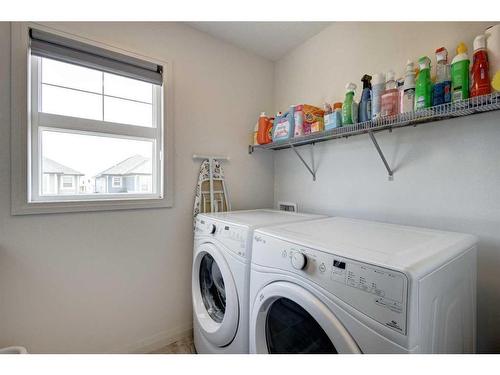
[67, 182]
[94, 112]
[117, 182]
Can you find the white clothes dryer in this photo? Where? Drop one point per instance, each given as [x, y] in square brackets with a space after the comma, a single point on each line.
[220, 277]
[340, 285]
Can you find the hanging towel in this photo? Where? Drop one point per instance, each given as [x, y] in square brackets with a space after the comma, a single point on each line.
[202, 202]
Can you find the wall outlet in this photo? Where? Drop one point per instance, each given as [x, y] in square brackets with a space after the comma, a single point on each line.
[287, 206]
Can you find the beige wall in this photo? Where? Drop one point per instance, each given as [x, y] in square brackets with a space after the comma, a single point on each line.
[120, 281]
[446, 173]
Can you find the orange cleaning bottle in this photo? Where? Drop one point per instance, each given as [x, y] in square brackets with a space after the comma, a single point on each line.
[264, 129]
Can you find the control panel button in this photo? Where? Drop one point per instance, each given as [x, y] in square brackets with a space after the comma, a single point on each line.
[299, 260]
[284, 254]
[212, 228]
[322, 267]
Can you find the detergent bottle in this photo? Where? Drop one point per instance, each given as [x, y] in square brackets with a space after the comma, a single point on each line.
[480, 75]
[460, 74]
[407, 103]
[350, 107]
[441, 91]
[263, 129]
[284, 125]
[365, 104]
[378, 88]
[423, 85]
[390, 97]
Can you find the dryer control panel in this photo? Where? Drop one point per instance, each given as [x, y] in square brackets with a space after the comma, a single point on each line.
[234, 237]
[377, 292]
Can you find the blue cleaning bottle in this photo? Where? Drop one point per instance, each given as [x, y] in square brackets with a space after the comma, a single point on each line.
[365, 105]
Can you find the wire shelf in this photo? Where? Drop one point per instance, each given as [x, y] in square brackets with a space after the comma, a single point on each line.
[479, 104]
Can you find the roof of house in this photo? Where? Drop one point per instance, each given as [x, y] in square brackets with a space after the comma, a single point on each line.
[53, 167]
[136, 164]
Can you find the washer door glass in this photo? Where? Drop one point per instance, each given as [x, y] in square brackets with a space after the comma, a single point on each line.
[291, 329]
[212, 288]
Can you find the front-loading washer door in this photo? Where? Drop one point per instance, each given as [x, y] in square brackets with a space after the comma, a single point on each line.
[288, 319]
[215, 298]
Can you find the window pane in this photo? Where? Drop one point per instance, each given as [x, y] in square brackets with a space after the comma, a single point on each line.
[71, 76]
[73, 103]
[98, 165]
[128, 88]
[128, 112]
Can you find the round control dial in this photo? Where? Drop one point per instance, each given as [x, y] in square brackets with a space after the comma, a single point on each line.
[299, 260]
[212, 228]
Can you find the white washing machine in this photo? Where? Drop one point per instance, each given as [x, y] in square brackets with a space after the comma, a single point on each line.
[220, 279]
[340, 285]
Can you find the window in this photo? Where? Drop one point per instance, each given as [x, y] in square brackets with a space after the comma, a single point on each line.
[67, 182]
[82, 121]
[117, 182]
[96, 121]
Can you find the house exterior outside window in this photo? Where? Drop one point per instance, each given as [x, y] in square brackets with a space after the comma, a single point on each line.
[134, 176]
[59, 178]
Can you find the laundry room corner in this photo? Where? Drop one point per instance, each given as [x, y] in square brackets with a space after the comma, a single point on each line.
[444, 175]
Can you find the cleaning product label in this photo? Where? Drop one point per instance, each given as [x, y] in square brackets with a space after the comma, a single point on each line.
[330, 121]
[447, 91]
[441, 93]
[420, 102]
[317, 126]
[460, 80]
[282, 130]
[438, 93]
[313, 117]
[334, 120]
[408, 101]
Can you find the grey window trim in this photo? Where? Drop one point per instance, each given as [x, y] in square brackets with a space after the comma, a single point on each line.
[72, 51]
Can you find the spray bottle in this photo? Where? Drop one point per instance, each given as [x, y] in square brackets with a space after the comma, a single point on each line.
[365, 104]
[423, 85]
[480, 68]
[350, 107]
[460, 74]
[407, 103]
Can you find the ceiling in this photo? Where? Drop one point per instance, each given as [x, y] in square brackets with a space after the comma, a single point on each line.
[271, 40]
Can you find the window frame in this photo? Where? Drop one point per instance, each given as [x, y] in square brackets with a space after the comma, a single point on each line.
[24, 139]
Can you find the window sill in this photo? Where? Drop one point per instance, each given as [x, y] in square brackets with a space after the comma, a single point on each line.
[88, 206]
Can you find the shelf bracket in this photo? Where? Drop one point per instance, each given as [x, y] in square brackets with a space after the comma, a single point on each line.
[381, 154]
[311, 168]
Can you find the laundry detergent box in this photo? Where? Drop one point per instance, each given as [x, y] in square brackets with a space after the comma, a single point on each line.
[283, 127]
[308, 119]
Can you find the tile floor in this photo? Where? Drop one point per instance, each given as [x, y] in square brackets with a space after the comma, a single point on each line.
[181, 346]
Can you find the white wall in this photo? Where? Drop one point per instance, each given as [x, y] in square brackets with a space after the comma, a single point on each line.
[117, 281]
[446, 173]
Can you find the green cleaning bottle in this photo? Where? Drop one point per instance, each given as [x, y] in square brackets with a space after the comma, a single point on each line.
[423, 84]
[460, 74]
[350, 107]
